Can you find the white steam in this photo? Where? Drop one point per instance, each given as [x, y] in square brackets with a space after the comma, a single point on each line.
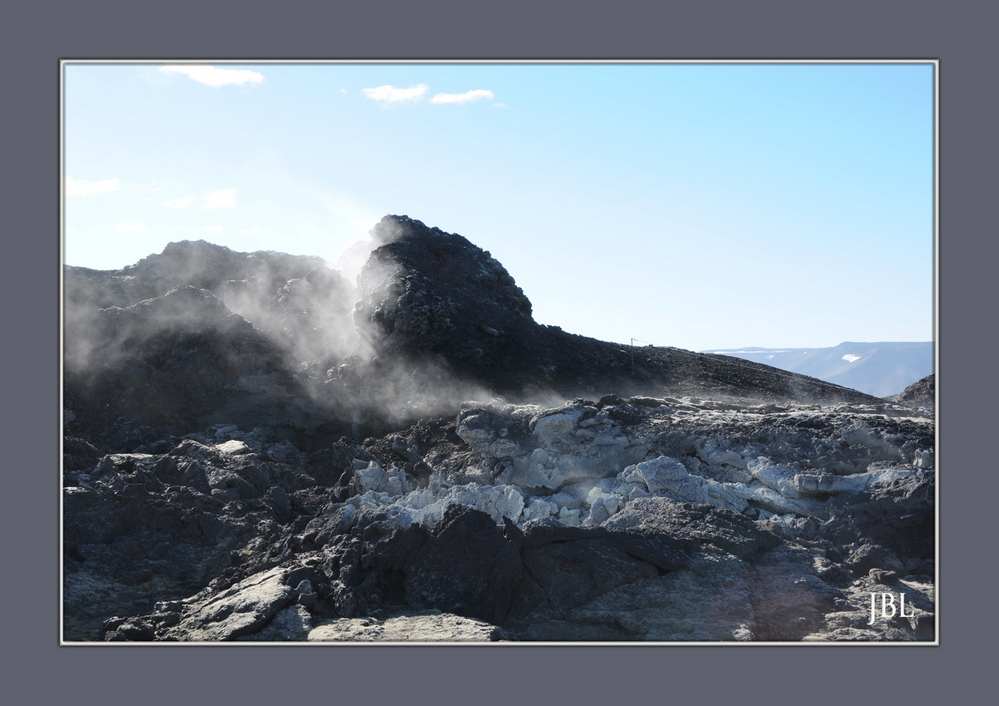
[305, 310]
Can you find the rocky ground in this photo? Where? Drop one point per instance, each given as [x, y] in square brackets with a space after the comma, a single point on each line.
[258, 449]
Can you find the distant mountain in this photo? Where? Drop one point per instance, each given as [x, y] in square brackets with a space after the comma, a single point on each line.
[879, 369]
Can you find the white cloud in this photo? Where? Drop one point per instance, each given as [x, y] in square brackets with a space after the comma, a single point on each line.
[224, 198]
[131, 227]
[211, 76]
[500, 105]
[182, 202]
[466, 97]
[214, 229]
[250, 231]
[82, 187]
[391, 94]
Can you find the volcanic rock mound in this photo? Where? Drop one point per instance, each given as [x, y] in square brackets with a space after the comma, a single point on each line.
[435, 294]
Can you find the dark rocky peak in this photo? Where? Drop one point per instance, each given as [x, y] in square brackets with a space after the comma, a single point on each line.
[198, 264]
[172, 362]
[192, 258]
[208, 266]
[447, 264]
[300, 302]
[183, 309]
[431, 291]
[101, 338]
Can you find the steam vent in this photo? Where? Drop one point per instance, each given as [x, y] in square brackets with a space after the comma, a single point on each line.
[259, 447]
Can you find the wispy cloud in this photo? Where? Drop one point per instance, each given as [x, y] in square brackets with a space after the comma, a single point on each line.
[211, 76]
[466, 97]
[391, 94]
[82, 187]
[130, 227]
[250, 231]
[214, 229]
[224, 198]
[182, 202]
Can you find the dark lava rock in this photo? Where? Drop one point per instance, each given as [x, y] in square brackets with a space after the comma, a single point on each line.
[468, 567]
[921, 393]
[566, 566]
[564, 575]
[899, 516]
[789, 599]
[179, 361]
[646, 522]
[196, 263]
[200, 334]
[446, 296]
[129, 630]
[873, 556]
[78, 454]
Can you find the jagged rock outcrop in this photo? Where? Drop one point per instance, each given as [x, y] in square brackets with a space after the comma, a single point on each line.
[435, 292]
[200, 334]
[921, 393]
[251, 455]
[669, 519]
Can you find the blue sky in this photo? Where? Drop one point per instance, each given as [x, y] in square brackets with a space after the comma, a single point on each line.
[701, 206]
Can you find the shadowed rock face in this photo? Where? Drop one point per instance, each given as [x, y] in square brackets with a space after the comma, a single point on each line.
[173, 360]
[235, 469]
[196, 335]
[445, 292]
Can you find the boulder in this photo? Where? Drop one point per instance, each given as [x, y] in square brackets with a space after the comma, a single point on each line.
[468, 566]
[244, 608]
[706, 526]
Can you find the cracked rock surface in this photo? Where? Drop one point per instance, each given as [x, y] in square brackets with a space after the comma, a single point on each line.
[681, 520]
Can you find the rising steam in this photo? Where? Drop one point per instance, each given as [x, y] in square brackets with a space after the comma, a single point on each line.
[199, 320]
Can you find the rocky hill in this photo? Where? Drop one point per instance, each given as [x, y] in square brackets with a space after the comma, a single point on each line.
[259, 449]
[921, 393]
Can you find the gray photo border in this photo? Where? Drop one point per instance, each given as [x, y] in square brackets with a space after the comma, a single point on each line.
[35, 38]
